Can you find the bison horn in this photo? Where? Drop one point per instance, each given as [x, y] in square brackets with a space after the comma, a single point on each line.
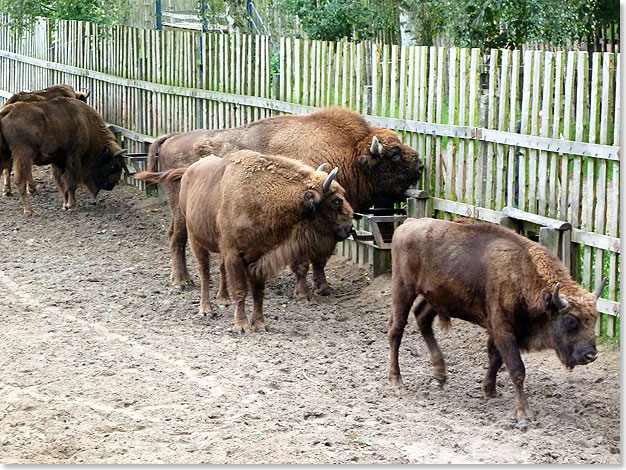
[120, 153]
[329, 179]
[87, 92]
[322, 167]
[600, 288]
[560, 302]
[376, 148]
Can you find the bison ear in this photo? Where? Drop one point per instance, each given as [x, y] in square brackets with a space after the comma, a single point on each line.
[546, 296]
[311, 199]
[366, 163]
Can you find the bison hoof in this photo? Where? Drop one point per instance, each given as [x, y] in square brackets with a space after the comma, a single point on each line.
[442, 379]
[489, 391]
[6, 193]
[260, 331]
[224, 302]
[207, 312]
[179, 288]
[32, 191]
[303, 295]
[522, 424]
[397, 383]
[29, 212]
[181, 280]
[323, 290]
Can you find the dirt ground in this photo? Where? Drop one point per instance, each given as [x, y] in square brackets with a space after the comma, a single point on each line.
[103, 362]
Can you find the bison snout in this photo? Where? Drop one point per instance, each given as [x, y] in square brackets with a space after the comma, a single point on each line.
[587, 356]
[344, 231]
[591, 356]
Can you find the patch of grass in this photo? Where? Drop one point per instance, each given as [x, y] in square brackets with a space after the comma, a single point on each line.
[608, 344]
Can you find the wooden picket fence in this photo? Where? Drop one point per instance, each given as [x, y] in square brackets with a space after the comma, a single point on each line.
[477, 119]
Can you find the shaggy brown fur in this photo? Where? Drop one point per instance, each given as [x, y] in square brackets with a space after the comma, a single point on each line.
[55, 91]
[260, 212]
[66, 133]
[336, 136]
[491, 276]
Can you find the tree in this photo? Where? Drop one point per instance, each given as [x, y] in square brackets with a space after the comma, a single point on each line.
[23, 14]
[333, 20]
[511, 23]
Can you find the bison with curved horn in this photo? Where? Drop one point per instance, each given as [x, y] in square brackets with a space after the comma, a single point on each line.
[68, 134]
[376, 168]
[489, 275]
[54, 91]
[260, 212]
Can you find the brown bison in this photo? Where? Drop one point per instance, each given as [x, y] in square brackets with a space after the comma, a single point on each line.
[376, 168]
[55, 91]
[491, 276]
[66, 133]
[260, 213]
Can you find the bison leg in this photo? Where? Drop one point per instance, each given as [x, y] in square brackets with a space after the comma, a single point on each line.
[222, 295]
[177, 234]
[23, 168]
[402, 300]
[6, 179]
[258, 292]
[203, 258]
[30, 185]
[237, 277]
[424, 315]
[70, 197]
[302, 291]
[66, 187]
[319, 277]
[495, 362]
[509, 349]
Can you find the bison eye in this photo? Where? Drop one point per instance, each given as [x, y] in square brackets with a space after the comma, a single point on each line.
[337, 203]
[571, 322]
[395, 157]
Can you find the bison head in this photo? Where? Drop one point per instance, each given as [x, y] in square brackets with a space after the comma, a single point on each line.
[106, 173]
[573, 326]
[328, 209]
[390, 165]
[83, 95]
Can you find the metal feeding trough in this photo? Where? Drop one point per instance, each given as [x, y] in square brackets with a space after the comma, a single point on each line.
[133, 159]
[370, 243]
[379, 224]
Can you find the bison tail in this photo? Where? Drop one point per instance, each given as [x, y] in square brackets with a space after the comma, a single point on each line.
[168, 176]
[153, 150]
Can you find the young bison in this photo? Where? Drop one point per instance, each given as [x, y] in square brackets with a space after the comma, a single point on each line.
[491, 276]
[261, 213]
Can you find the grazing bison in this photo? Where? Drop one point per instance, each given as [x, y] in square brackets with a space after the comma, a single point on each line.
[66, 133]
[491, 276]
[376, 168]
[55, 91]
[260, 213]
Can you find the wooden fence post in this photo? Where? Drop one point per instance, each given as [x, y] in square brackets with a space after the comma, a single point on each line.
[367, 99]
[276, 86]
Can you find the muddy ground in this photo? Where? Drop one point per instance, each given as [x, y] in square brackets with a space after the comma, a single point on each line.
[103, 362]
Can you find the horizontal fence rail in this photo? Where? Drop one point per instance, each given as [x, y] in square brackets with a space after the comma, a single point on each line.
[536, 130]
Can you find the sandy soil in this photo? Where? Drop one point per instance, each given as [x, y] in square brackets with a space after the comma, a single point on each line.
[103, 362]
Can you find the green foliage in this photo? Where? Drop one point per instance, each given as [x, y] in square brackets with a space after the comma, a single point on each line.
[22, 15]
[333, 20]
[510, 23]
